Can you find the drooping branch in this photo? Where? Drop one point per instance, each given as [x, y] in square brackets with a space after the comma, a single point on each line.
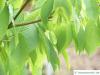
[23, 6]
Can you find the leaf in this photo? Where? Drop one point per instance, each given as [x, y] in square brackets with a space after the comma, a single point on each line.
[78, 6]
[32, 16]
[2, 5]
[46, 10]
[91, 37]
[39, 61]
[66, 4]
[66, 57]
[49, 50]
[16, 3]
[52, 37]
[81, 39]
[33, 56]
[28, 41]
[51, 54]
[2, 69]
[64, 36]
[4, 21]
[92, 9]
[20, 18]
[4, 57]
[75, 34]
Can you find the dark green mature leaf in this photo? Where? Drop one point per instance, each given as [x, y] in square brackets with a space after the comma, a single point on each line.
[46, 10]
[4, 21]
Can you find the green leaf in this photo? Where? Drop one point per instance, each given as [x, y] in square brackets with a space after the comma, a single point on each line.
[28, 41]
[49, 50]
[2, 68]
[4, 21]
[32, 16]
[31, 37]
[81, 39]
[52, 37]
[2, 5]
[92, 9]
[78, 6]
[91, 37]
[66, 57]
[51, 54]
[38, 63]
[66, 4]
[33, 56]
[46, 10]
[20, 18]
[16, 3]
[64, 36]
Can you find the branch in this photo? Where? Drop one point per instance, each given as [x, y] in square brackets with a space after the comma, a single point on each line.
[28, 23]
[23, 6]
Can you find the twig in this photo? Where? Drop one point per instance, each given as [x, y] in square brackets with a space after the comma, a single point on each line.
[23, 6]
[28, 23]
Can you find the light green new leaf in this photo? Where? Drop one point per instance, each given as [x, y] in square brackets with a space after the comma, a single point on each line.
[81, 40]
[16, 3]
[51, 54]
[64, 36]
[66, 4]
[66, 57]
[32, 16]
[2, 68]
[49, 50]
[91, 37]
[53, 38]
[4, 21]
[2, 4]
[46, 10]
[33, 56]
[78, 6]
[37, 61]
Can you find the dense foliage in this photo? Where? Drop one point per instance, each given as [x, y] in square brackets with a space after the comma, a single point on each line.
[32, 31]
